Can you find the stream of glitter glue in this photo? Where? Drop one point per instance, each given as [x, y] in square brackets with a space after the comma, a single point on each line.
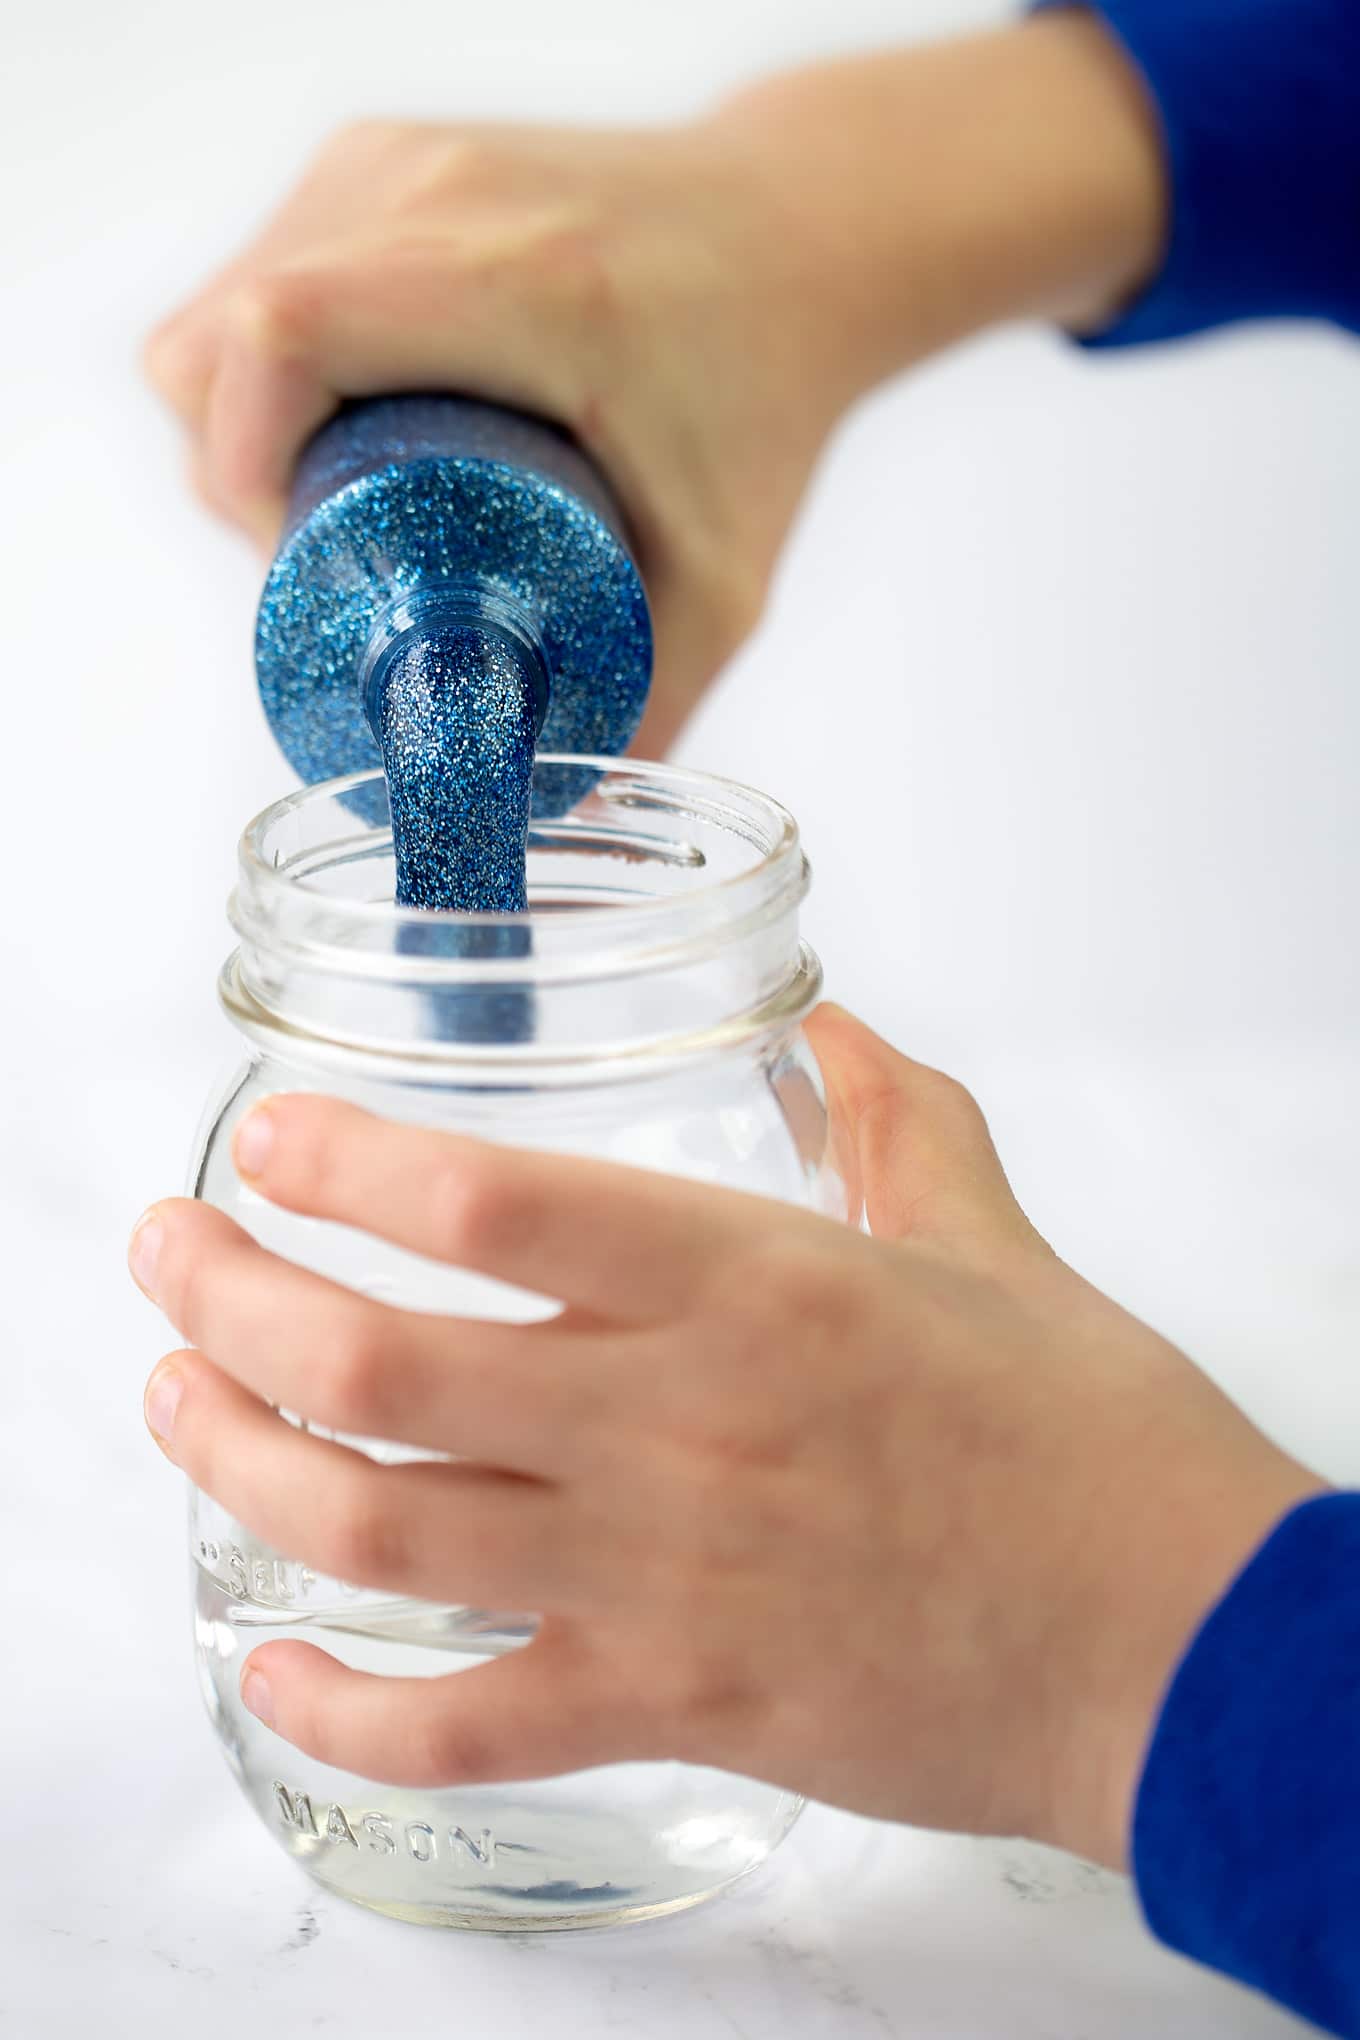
[457, 716]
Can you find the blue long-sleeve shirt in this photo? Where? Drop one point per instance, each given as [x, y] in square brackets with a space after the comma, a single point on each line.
[1246, 1831]
[1259, 105]
[1246, 1837]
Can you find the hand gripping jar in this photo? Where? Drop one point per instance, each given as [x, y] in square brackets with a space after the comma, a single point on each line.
[647, 1010]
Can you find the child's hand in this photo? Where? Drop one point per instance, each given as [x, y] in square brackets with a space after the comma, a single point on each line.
[697, 304]
[917, 1524]
[649, 291]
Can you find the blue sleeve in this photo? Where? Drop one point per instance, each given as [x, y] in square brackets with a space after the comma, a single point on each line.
[1259, 103]
[1246, 1835]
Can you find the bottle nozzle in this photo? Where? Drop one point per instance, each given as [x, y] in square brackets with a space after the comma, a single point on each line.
[456, 707]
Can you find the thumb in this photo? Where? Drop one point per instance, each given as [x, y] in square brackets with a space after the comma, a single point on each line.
[920, 1142]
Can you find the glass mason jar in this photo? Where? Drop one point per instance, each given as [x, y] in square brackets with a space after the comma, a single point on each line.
[646, 1010]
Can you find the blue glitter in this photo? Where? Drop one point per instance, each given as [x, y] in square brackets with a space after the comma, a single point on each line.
[400, 500]
[456, 707]
[454, 585]
[456, 717]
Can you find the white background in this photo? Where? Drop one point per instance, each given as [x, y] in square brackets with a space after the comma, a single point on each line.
[1060, 678]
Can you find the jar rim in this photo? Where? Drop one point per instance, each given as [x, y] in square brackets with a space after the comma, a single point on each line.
[780, 860]
[681, 883]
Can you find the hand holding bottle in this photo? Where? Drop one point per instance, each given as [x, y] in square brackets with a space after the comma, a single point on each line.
[697, 304]
[917, 1524]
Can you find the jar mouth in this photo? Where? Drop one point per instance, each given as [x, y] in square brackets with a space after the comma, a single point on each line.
[290, 850]
[663, 903]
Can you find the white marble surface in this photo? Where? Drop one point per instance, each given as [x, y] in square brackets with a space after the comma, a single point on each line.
[1216, 1201]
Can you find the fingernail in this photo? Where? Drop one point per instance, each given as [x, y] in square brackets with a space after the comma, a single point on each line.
[256, 1696]
[144, 1251]
[163, 1392]
[254, 1138]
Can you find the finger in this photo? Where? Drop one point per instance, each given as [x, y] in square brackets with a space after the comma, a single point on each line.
[439, 1532]
[261, 524]
[925, 1157]
[180, 360]
[519, 1397]
[268, 397]
[180, 354]
[534, 1713]
[367, 318]
[625, 1244]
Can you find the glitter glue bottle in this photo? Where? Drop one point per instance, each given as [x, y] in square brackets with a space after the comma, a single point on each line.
[454, 590]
